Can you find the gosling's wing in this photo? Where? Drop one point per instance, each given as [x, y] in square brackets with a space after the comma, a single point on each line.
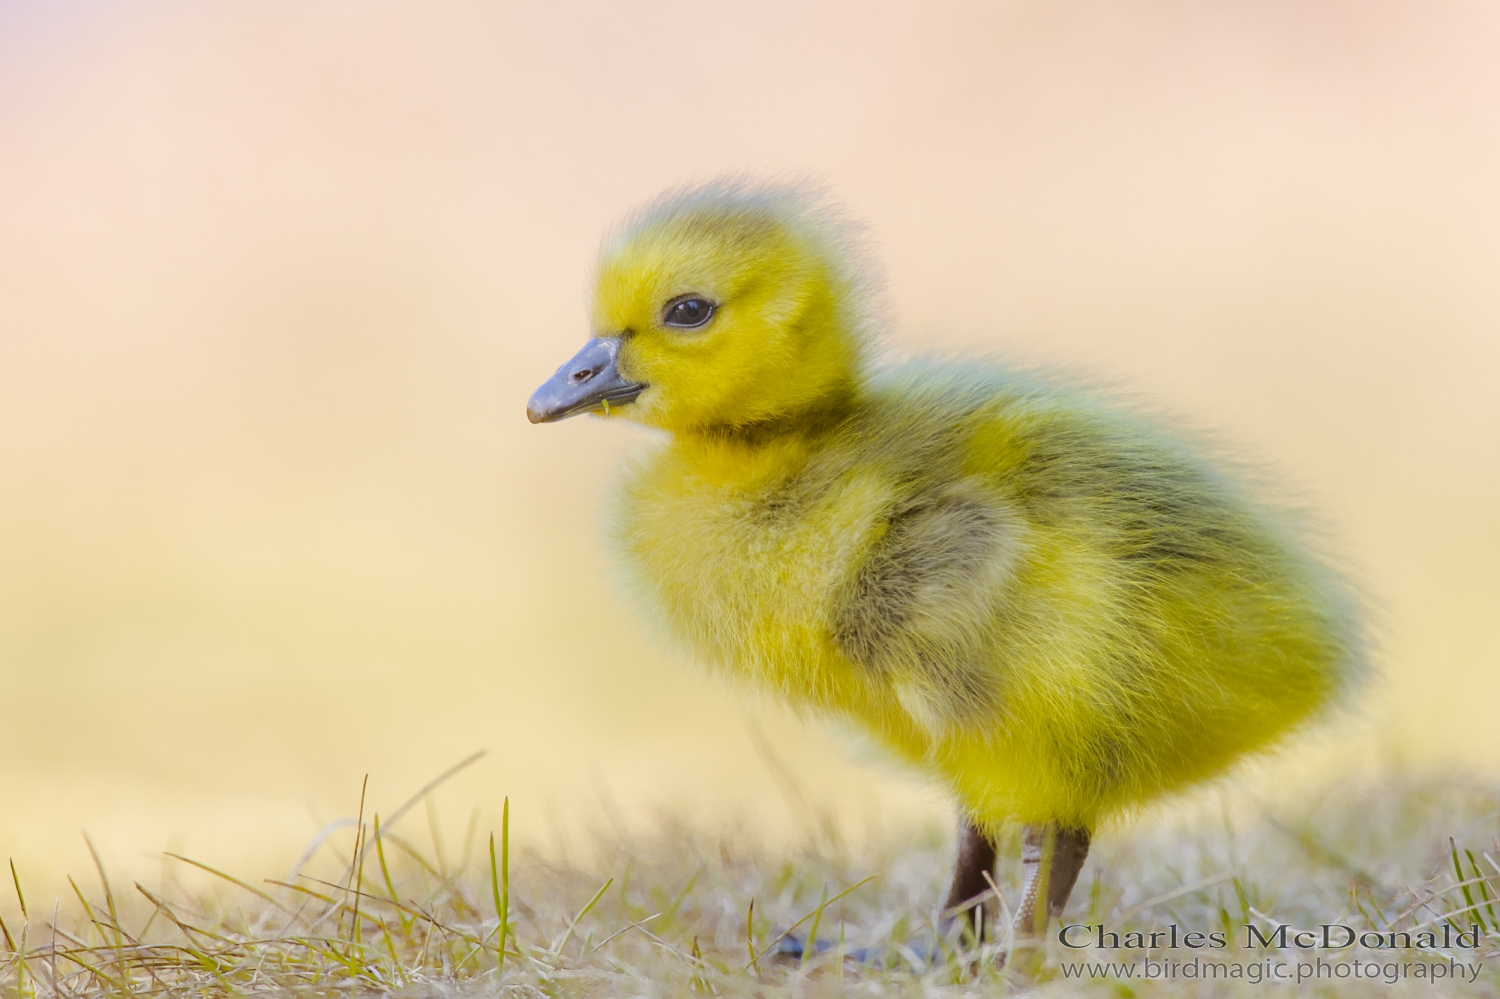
[922, 607]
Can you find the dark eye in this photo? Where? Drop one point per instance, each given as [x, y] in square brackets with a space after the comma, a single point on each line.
[688, 313]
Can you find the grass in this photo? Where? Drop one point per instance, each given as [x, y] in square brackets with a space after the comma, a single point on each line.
[690, 912]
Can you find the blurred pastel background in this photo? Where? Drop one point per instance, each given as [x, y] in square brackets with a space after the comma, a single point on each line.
[277, 278]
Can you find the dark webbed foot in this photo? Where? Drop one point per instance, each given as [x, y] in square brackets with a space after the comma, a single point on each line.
[1051, 857]
[972, 897]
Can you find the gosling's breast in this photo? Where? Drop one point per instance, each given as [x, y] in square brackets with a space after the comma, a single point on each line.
[833, 581]
[743, 567]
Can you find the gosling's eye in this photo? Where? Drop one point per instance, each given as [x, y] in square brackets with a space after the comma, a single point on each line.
[688, 313]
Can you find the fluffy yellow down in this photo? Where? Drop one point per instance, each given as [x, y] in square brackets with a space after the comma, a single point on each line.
[1053, 607]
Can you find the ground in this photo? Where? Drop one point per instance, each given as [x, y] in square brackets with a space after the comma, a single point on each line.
[688, 911]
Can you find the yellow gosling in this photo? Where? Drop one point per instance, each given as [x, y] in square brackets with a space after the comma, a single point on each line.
[1049, 605]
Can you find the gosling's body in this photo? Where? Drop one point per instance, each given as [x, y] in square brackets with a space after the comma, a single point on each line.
[1052, 608]
[1044, 602]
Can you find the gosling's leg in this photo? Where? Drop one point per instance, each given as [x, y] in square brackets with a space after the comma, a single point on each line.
[1051, 857]
[976, 858]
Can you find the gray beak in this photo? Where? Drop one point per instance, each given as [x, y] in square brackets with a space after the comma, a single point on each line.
[590, 383]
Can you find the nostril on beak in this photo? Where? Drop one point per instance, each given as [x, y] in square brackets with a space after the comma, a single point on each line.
[582, 375]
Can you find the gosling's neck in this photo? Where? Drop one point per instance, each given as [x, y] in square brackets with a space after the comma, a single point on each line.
[756, 453]
[810, 419]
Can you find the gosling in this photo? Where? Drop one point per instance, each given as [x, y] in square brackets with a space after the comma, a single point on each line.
[1053, 608]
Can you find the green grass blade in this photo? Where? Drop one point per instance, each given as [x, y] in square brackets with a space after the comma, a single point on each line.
[357, 871]
[1463, 886]
[750, 935]
[504, 911]
[568, 933]
[16, 880]
[1482, 884]
[811, 946]
[499, 905]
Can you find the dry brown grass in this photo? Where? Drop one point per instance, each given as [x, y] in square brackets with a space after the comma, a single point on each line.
[685, 911]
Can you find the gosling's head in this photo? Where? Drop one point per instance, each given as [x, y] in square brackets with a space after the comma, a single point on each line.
[719, 307]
